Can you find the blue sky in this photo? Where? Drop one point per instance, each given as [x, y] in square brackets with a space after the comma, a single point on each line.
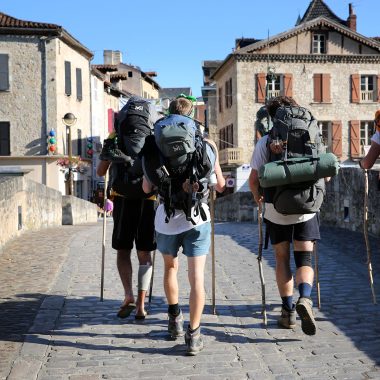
[173, 37]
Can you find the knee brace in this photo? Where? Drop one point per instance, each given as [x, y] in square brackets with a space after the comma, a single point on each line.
[303, 258]
[144, 276]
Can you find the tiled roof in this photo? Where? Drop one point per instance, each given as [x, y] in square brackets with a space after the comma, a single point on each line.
[173, 92]
[318, 8]
[105, 68]
[7, 21]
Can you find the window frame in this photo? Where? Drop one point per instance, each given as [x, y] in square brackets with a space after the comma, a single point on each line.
[367, 95]
[317, 49]
[4, 73]
[325, 127]
[365, 126]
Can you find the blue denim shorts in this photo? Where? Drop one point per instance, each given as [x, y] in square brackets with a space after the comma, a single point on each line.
[195, 242]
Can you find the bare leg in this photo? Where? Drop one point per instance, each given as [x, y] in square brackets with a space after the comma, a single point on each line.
[196, 266]
[124, 267]
[144, 258]
[170, 279]
[284, 275]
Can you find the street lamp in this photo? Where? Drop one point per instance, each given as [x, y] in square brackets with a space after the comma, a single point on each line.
[69, 120]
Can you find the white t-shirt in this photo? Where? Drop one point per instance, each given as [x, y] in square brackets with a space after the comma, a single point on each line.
[259, 158]
[178, 223]
[376, 137]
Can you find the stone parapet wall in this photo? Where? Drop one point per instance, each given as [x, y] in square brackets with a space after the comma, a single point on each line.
[27, 205]
[236, 207]
[77, 211]
[344, 201]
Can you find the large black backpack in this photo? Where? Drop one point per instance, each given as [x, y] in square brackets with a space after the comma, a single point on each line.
[298, 130]
[177, 152]
[133, 124]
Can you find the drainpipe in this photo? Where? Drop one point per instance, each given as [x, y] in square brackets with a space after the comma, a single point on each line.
[44, 41]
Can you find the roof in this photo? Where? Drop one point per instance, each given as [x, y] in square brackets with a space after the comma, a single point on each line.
[173, 92]
[105, 68]
[13, 26]
[320, 22]
[318, 8]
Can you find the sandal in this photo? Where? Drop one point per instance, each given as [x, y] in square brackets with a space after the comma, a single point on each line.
[141, 317]
[126, 310]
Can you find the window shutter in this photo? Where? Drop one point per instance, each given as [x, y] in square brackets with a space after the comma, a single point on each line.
[79, 84]
[260, 95]
[230, 92]
[67, 78]
[326, 92]
[5, 146]
[355, 138]
[288, 85]
[378, 88]
[110, 120]
[337, 137]
[317, 78]
[355, 88]
[4, 72]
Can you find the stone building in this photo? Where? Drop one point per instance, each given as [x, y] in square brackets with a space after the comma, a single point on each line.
[44, 74]
[323, 62]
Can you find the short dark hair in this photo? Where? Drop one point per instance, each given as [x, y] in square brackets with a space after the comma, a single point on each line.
[275, 103]
[181, 106]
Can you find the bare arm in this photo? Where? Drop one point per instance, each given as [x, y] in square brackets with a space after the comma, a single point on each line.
[102, 168]
[147, 186]
[220, 180]
[254, 186]
[372, 155]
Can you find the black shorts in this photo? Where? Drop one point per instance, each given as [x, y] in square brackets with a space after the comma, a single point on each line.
[306, 231]
[133, 223]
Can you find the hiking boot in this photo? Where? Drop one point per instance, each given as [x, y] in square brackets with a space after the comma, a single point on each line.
[194, 341]
[111, 152]
[175, 325]
[304, 310]
[287, 318]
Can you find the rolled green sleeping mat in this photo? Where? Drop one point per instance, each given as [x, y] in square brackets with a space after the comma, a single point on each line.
[295, 170]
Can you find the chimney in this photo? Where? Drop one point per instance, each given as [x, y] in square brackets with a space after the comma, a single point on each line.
[112, 57]
[351, 21]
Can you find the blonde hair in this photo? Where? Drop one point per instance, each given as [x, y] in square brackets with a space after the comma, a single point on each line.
[181, 106]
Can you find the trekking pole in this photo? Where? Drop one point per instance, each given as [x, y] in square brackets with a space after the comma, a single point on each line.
[151, 279]
[259, 260]
[316, 270]
[365, 225]
[104, 236]
[212, 211]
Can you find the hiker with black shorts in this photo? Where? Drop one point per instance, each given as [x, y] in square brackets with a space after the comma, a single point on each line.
[176, 228]
[301, 230]
[134, 210]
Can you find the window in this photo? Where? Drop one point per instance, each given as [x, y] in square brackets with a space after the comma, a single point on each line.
[220, 99]
[367, 88]
[79, 147]
[67, 78]
[319, 43]
[326, 131]
[274, 86]
[130, 74]
[5, 143]
[4, 72]
[79, 84]
[228, 95]
[366, 131]
[226, 137]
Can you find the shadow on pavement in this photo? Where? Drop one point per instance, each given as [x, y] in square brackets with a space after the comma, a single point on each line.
[346, 297]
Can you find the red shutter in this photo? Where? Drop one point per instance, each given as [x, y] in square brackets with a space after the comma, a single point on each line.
[260, 96]
[337, 138]
[288, 85]
[378, 88]
[326, 92]
[317, 78]
[355, 138]
[355, 88]
[110, 120]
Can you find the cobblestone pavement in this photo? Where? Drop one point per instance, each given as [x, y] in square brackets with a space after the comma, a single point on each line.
[53, 325]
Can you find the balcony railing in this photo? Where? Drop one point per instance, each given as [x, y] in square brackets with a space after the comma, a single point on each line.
[273, 93]
[231, 156]
[367, 96]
